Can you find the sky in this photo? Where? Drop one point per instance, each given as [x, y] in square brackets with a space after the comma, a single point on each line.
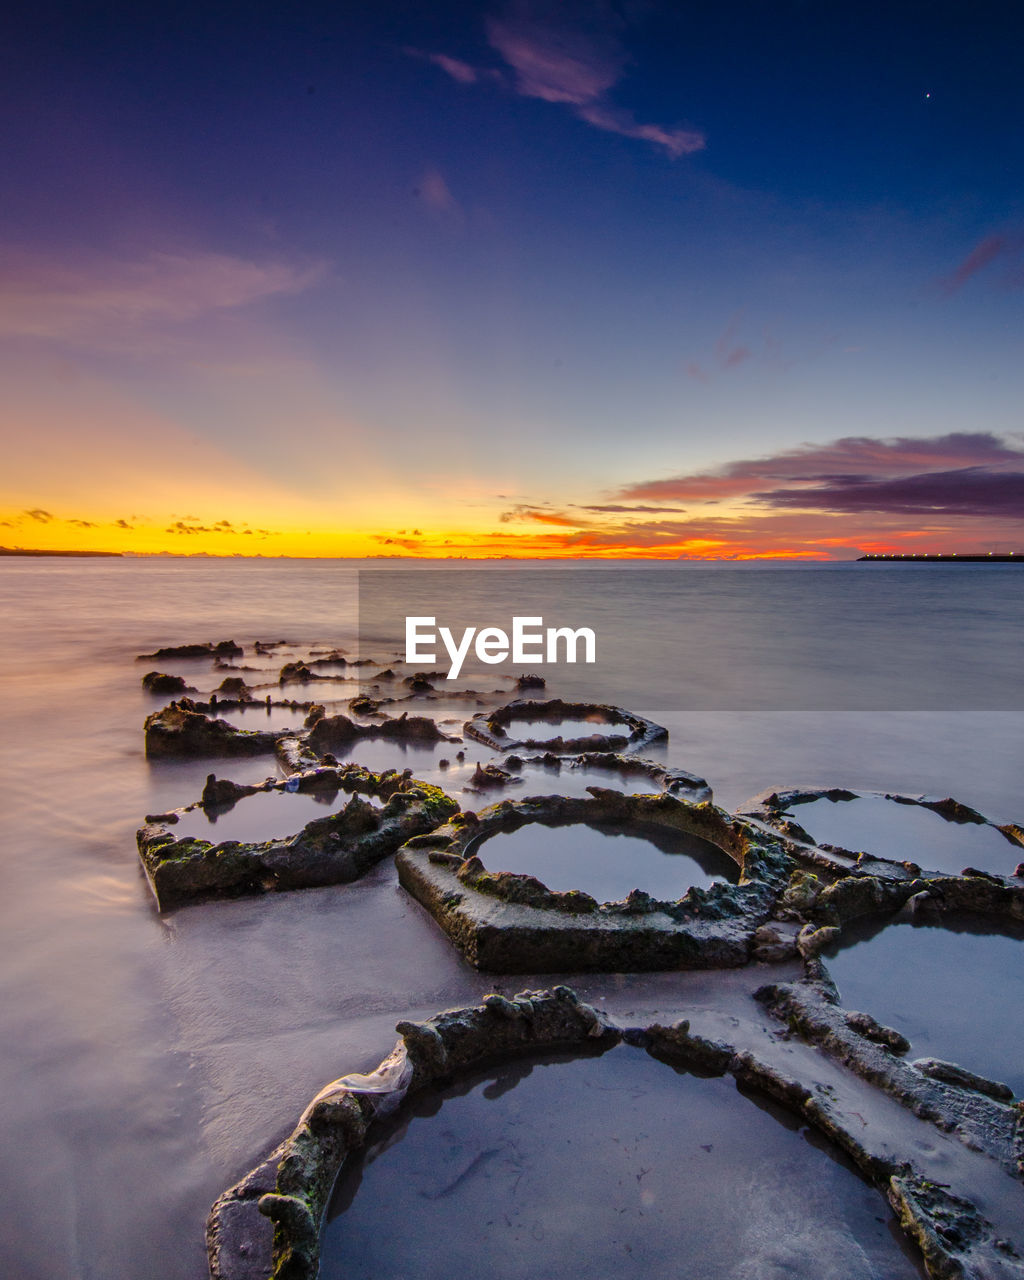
[512, 279]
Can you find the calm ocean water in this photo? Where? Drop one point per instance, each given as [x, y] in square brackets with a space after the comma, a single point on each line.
[147, 1062]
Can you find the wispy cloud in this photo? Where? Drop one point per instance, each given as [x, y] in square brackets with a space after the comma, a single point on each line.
[566, 63]
[992, 248]
[37, 513]
[436, 196]
[730, 350]
[455, 67]
[614, 508]
[542, 515]
[86, 302]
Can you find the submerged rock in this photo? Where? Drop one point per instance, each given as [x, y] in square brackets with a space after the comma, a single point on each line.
[337, 730]
[295, 671]
[159, 682]
[179, 729]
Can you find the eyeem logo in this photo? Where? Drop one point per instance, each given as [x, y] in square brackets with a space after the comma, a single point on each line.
[529, 643]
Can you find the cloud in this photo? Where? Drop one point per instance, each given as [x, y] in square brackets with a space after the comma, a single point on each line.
[557, 64]
[433, 191]
[83, 524]
[557, 61]
[558, 518]
[44, 517]
[406, 543]
[561, 64]
[736, 356]
[853, 456]
[455, 67]
[677, 142]
[123, 524]
[190, 525]
[984, 253]
[729, 352]
[179, 526]
[88, 302]
[968, 491]
[618, 509]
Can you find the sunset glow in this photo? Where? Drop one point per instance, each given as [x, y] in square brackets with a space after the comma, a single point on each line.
[528, 281]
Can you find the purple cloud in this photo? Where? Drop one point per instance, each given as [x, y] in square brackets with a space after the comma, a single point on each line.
[970, 491]
[867, 459]
[988, 250]
[436, 195]
[460, 71]
[555, 60]
[613, 508]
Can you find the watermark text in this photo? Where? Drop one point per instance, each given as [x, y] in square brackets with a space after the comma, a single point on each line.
[530, 642]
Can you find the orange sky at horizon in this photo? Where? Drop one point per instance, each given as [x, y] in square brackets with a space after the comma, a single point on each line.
[190, 535]
[158, 425]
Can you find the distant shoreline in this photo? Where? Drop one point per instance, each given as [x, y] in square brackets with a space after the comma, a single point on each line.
[954, 558]
[875, 558]
[6, 551]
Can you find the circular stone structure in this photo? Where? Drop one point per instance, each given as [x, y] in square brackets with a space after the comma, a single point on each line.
[663, 1165]
[802, 1213]
[614, 729]
[510, 923]
[877, 830]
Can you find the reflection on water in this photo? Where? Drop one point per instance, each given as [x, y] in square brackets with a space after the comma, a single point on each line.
[260, 716]
[603, 1167]
[907, 832]
[955, 990]
[262, 816]
[610, 860]
[544, 780]
[545, 730]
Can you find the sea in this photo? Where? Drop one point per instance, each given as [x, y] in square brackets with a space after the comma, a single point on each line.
[147, 1061]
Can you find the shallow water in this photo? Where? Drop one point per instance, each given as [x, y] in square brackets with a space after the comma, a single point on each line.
[262, 816]
[263, 717]
[609, 860]
[148, 1061]
[955, 991]
[908, 832]
[546, 730]
[544, 780]
[659, 1166]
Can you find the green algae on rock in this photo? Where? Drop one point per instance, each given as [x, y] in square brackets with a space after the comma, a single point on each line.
[335, 849]
[515, 924]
